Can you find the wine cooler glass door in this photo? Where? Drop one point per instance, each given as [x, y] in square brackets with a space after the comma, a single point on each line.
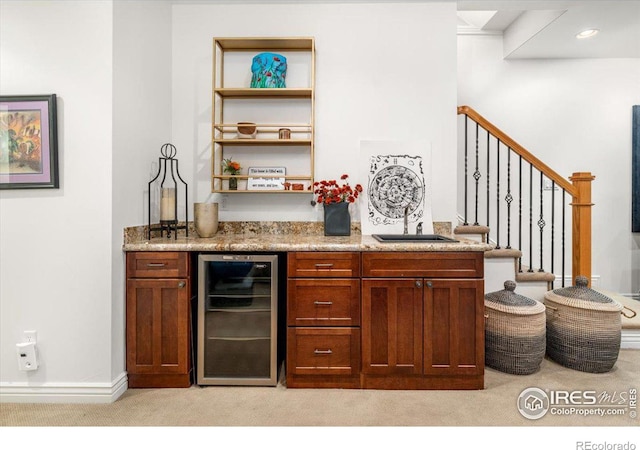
[237, 319]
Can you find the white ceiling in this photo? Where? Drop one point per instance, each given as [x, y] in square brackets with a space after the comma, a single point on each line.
[547, 29]
[534, 29]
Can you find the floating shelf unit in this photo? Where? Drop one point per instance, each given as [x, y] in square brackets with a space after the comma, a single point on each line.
[292, 107]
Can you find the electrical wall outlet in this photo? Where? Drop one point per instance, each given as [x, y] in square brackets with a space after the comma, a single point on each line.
[31, 336]
[27, 359]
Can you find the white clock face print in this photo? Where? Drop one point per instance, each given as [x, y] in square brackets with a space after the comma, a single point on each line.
[395, 185]
[393, 189]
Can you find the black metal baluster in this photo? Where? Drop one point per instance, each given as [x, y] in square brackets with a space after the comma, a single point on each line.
[466, 157]
[498, 195]
[553, 228]
[520, 214]
[476, 174]
[488, 186]
[563, 230]
[509, 197]
[541, 222]
[530, 218]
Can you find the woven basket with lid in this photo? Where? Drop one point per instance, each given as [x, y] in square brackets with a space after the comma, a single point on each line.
[514, 331]
[583, 328]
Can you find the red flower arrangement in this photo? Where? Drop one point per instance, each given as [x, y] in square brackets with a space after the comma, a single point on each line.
[330, 192]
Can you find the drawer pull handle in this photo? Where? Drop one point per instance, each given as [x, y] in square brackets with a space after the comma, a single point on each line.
[324, 265]
[317, 302]
[322, 352]
[155, 264]
[182, 284]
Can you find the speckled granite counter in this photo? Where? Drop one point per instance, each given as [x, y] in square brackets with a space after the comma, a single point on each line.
[286, 237]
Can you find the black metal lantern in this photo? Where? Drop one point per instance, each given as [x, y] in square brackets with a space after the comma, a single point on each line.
[168, 204]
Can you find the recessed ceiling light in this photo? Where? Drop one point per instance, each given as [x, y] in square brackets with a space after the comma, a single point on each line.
[587, 33]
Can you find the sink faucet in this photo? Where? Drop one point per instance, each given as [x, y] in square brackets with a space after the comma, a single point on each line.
[406, 221]
[419, 229]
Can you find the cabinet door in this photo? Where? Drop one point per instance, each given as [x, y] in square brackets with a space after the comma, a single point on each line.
[454, 327]
[157, 326]
[391, 326]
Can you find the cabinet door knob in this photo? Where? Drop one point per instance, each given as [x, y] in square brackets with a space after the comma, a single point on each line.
[418, 284]
[429, 284]
[182, 284]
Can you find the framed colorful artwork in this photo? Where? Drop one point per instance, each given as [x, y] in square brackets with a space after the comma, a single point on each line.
[28, 142]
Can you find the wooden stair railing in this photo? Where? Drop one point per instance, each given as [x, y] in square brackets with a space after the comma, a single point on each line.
[578, 186]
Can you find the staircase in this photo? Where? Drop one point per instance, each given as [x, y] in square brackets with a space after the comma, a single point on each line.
[518, 204]
[503, 264]
[538, 222]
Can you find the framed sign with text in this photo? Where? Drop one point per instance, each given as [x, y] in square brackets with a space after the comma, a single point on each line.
[266, 178]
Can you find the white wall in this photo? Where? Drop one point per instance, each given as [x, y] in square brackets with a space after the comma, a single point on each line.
[383, 72]
[141, 124]
[56, 245]
[575, 115]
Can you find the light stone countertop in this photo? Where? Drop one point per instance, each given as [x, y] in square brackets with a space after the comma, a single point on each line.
[287, 237]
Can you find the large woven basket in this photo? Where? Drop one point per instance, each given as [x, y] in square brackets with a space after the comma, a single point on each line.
[583, 328]
[514, 331]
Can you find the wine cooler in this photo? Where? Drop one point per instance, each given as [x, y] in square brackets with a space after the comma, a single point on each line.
[237, 319]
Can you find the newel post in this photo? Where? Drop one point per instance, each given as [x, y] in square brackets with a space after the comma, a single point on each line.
[581, 229]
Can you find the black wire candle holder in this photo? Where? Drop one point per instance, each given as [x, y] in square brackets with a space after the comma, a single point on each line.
[168, 204]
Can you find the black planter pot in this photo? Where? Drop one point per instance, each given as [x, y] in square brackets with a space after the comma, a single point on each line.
[337, 220]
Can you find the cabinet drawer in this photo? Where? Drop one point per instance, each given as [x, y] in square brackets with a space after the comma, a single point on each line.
[328, 302]
[324, 264]
[323, 351]
[157, 264]
[423, 264]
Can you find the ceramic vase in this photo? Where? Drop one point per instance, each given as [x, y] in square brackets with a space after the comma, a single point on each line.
[205, 219]
[337, 220]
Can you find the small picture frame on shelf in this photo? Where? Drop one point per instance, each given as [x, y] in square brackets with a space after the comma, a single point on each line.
[28, 142]
[259, 181]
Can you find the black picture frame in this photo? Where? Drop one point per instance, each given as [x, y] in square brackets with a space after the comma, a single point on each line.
[635, 171]
[28, 142]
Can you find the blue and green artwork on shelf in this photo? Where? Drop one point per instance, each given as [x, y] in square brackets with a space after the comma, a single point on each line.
[269, 71]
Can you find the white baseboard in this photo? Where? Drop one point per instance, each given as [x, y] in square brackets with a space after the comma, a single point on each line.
[64, 392]
[630, 338]
[568, 281]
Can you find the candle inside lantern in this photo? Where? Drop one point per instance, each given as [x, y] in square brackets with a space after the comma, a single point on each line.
[168, 205]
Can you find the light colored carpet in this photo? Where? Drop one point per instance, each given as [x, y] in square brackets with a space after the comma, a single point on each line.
[279, 406]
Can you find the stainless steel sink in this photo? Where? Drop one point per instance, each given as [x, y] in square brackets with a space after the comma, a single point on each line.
[412, 238]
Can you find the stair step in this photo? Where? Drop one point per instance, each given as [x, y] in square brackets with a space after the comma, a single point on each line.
[503, 253]
[525, 275]
[471, 229]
